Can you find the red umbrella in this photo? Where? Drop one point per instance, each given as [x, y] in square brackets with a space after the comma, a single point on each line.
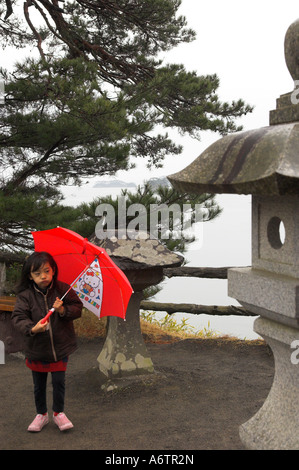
[98, 282]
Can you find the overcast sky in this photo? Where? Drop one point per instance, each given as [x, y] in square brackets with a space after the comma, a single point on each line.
[243, 43]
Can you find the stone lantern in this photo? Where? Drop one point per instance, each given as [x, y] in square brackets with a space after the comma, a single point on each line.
[142, 260]
[265, 163]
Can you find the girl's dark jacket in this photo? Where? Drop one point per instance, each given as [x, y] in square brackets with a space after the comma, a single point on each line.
[59, 340]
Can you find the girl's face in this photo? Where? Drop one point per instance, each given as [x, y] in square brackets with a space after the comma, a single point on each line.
[43, 275]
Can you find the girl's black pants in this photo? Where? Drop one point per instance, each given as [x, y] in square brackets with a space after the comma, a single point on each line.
[40, 389]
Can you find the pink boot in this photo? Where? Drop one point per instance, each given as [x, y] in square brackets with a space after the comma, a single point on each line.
[38, 423]
[62, 421]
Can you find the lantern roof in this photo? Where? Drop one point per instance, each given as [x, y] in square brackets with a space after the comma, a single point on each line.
[262, 161]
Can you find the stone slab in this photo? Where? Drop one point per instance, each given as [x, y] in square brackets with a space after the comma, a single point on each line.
[265, 292]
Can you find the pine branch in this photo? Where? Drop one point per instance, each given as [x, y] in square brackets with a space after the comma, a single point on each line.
[36, 34]
[30, 170]
[9, 9]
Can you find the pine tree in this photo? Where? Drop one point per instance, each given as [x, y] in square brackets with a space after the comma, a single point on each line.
[97, 95]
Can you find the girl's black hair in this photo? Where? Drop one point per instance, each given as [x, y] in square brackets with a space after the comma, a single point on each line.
[33, 263]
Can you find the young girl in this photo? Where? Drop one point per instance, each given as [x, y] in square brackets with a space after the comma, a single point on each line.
[47, 345]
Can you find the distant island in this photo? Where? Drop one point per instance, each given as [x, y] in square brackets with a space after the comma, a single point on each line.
[114, 184]
[154, 182]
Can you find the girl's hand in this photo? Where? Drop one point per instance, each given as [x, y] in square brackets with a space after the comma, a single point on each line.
[58, 305]
[39, 327]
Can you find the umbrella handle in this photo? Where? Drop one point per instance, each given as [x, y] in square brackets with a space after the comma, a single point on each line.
[47, 316]
[53, 309]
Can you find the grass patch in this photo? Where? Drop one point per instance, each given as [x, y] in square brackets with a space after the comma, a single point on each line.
[167, 328]
[164, 330]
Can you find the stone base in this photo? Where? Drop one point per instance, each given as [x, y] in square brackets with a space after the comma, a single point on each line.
[124, 358]
[124, 352]
[276, 425]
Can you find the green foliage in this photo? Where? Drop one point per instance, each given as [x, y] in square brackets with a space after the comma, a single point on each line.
[13, 274]
[59, 125]
[97, 96]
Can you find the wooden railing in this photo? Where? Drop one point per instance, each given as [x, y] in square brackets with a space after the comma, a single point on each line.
[195, 309]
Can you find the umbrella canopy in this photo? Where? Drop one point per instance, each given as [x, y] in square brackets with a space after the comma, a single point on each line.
[98, 282]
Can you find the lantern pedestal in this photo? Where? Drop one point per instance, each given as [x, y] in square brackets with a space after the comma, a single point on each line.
[142, 259]
[264, 162]
[275, 425]
[124, 352]
[270, 289]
